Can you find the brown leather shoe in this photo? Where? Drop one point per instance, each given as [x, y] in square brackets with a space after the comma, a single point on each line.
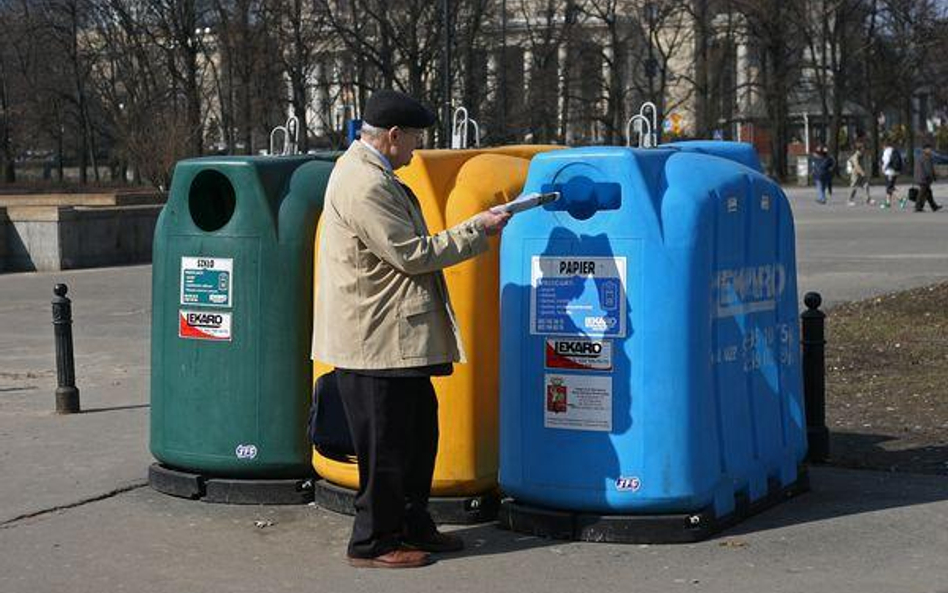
[395, 559]
[435, 542]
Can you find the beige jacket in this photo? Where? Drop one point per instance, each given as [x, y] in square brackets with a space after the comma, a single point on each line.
[381, 299]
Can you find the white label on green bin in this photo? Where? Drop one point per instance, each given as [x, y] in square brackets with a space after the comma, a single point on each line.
[577, 402]
[207, 281]
[578, 296]
[204, 325]
[246, 451]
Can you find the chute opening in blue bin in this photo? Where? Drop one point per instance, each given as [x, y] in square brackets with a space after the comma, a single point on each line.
[582, 197]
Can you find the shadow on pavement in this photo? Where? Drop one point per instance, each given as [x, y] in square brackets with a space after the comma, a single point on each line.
[836, 493]
[114, 408]
[12, 389]
[488, 540]
[869, 451]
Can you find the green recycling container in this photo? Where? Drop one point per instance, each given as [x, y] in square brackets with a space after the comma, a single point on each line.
[232, 284]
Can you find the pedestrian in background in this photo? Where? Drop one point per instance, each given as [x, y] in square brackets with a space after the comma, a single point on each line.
[891, 168]
[857, 176]
[924, 177]
[823, 166]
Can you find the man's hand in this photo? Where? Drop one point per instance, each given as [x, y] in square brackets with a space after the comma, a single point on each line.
[492, 222]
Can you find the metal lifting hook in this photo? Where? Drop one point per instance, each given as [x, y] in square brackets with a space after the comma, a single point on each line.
[291, 137]
[644, 129]
[459, 129]
[653, 130]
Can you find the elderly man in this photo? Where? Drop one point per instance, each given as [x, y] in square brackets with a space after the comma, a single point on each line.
[384, 320]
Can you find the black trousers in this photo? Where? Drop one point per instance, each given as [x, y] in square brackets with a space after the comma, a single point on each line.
[394, 426]
[924, 195]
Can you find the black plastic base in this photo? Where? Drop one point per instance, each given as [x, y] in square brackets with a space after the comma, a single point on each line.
[639, 529]
[462, 510]
[228, 490]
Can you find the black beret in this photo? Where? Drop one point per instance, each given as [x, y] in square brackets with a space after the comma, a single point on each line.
[387, 109]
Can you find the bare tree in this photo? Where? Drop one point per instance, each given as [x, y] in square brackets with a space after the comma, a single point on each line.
[702, 15]
[235, 64]
[389, 44]
[299, 28]
[831, 30]
[547, 26]
[656, 38]
[472, 47]
[621, 35]
[910, 27]
[173, 27]
[7, 152]
[63, 24]
[774, 33]
[671, 36]
[38, 86]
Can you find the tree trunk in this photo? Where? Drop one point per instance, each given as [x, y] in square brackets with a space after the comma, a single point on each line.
[193, 109]
[615, 112]
[298, 78]
[867, 71]
[299, 110]
[60, 133]
[838, 60]
[83, 153]
[822, 78]
[8, 162]
[80, 97]
[703, 125]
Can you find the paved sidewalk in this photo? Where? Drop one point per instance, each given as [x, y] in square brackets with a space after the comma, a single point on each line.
[75, 514]
[859, 532]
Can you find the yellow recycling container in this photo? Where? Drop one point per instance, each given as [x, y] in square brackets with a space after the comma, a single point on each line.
[452, 186]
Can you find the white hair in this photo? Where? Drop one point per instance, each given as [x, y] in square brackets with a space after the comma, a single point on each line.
[370, 131]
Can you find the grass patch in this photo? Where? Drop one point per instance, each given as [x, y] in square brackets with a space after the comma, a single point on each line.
[887, 381]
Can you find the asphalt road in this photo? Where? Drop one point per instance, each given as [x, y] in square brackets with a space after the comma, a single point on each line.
[849, 253]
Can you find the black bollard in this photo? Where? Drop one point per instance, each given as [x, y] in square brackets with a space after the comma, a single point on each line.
[67, 395]
[813, 340]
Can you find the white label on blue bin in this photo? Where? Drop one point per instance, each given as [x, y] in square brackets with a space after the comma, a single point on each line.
[578, 402]
[578, 354]
[207, 281]
[578, 296]
[628, 483]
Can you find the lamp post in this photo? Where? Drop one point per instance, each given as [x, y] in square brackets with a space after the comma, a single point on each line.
[503, 70]
[651, 64]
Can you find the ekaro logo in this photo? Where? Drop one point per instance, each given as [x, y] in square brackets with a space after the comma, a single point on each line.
[198, 325]
[579, 354]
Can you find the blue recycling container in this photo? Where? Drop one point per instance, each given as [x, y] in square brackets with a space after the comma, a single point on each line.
[649, 347]
[740, 152]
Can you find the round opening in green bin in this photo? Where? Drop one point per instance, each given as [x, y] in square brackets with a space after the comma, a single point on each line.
[212, 200]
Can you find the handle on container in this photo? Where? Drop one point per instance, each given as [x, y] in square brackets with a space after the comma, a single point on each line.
[645, 138]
